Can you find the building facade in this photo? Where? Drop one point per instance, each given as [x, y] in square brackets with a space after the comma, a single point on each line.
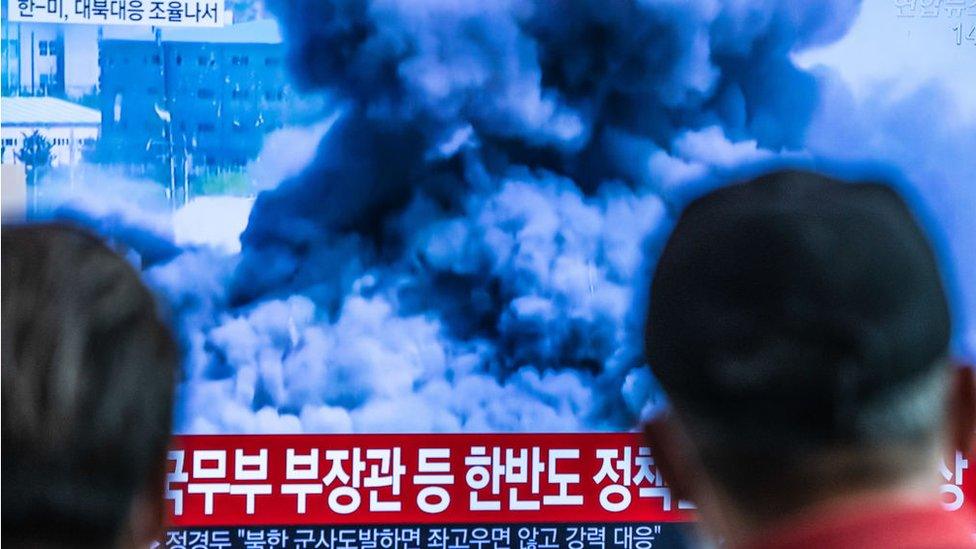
[71, 129]
[32, 60]
[48, 59]
[192, 99]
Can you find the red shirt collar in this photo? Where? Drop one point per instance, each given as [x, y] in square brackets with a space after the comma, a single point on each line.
[872, 523]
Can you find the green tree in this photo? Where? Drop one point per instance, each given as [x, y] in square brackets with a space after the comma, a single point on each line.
[35, 154]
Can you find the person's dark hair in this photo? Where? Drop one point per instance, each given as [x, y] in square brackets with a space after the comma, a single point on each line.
[795, 318]
[88, 372]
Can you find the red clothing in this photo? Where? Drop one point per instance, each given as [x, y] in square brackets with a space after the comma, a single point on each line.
[877, 523]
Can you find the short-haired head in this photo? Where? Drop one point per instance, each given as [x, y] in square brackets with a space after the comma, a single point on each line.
[794, 317]
[89, 370]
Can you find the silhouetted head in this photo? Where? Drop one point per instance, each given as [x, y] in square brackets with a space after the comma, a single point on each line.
[88, 377]
[800, 329]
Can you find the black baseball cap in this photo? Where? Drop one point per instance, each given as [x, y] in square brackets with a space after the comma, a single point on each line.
[781, 304]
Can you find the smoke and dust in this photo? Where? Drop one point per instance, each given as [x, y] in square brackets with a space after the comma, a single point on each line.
[469, 247]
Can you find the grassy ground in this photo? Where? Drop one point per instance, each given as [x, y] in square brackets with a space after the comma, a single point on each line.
[227, 183]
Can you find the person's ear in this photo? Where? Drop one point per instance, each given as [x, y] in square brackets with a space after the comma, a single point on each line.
[962, 409]
[670, 452]
[147, 517]
[146, 520]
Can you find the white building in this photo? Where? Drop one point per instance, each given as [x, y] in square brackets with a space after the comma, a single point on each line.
[49, 59]
[70, 127]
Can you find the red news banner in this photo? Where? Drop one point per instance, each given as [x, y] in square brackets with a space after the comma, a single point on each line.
[289, 480]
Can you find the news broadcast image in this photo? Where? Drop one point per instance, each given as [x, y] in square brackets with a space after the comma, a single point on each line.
[406, 245]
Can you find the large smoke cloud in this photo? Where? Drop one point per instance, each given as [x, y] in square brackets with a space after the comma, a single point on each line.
[467, 250]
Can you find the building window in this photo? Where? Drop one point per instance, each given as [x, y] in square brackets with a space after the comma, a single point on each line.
[272, 61]
[205, 127]
[239, 60]
[156, 60]
[238, 93]
[205, 93]
[47, 47]
[179, 59]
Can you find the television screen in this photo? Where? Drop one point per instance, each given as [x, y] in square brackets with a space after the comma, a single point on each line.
[407, 246]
